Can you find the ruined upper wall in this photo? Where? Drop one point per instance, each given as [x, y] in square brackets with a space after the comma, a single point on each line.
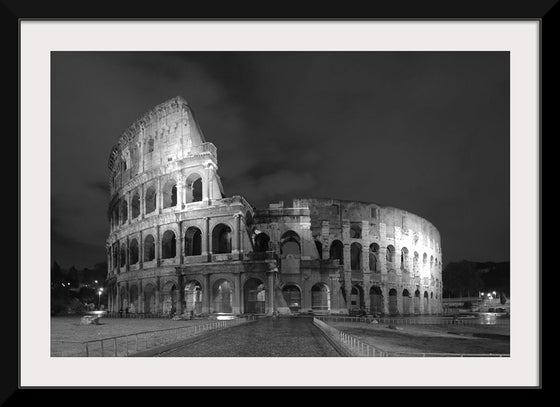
[164, 134]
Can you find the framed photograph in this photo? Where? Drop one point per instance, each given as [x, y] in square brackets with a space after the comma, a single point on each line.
[280, 190]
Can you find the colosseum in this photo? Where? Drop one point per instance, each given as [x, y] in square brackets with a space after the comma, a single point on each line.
[178, 244]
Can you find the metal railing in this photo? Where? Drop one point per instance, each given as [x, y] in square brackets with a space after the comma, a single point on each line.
[417, 321]
[126, 345]
[358, 348]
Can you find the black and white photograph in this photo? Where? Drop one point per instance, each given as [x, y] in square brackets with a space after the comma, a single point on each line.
[281, 204]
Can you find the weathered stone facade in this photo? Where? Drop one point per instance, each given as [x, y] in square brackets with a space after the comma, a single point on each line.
[177, 244]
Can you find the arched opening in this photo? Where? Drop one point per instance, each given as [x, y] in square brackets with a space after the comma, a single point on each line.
[193, 297]
[222, 297]
[193, 242]
[221, 239]
[373, 258]
[426, 303]
[336, 251]
[168, 245]
[123, 255]
[319, 247]
[149, 248]
[170, 298]
[150, 199]
[292, 295]
[254, 296]
[193, 188]
[262, 242]
[406, 302]
[415, 264]
[124, 211]
[404, 260]
[375, 300]
[133, 306]
[149, 299]
[357, 297]
[123, 299]
[133, 251]
[393, 307]
[355, 230]
[135, 205]
[390, 255]
[355, 256]
[320, 297]
[169, 193]
[417, 302]
[290, 244]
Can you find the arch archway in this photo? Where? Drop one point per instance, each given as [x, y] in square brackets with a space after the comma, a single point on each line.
[254, 296]
[406, 302]
[149, 299]
[417, 302]
[290, 244]
[150, 199]
[355, 256]
[133, 251]
[357, 297]
[133, 305]
[320, 297]
[149, 248]
[375, 300]
[135, 205]
[336, 251]
[168, 245]
[193, 241]
[319, 247]
[221, 239]
[193, 297]
[193, 188]
[373, 257]
[262, 241]
[292, 296]
[170, 298]
[426, 303]
[222, 297]
[169, 194]
[393, 307]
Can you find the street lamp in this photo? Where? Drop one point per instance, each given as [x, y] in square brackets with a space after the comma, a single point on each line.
[99, 302]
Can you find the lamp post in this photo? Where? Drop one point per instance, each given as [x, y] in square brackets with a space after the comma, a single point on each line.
[99, 302]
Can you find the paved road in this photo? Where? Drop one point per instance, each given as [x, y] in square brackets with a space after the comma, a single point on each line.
[284, 337]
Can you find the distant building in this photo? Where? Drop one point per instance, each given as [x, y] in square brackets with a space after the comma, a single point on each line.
[178, 244]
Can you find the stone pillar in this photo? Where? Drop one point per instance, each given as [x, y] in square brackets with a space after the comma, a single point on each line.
[180, 200]
[128, 208]
[141, 251]
[127, 294]
[385, 292]
[127, 254]
[140, 302]
[235, 243]
[180, 242]
[205, 243]
[159, 198]
[270, 296]
[399, 299]
[158, 248]
[206, 295]
[181, 288]
[206, 185]
[237, 299]
[157, 296]
[142, 201]
[118, 304]
[109, 269]
[306, 294]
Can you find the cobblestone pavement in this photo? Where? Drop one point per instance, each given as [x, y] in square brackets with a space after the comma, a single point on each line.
[284, 337]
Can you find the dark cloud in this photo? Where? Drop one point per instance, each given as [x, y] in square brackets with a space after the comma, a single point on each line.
[424, 131]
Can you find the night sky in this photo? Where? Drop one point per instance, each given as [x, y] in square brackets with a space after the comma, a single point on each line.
[427, 132]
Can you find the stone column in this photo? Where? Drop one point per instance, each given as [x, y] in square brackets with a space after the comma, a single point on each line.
[180, 200]
[127, 295]
[118, 305]
[159, 197]
[140, 302]
[109, 269]
[158, 248]
[127, 254]
[181, 288]
[236, 221]
[206, 295]
[142, 201]
[128, 208]
[206, 185]
[157, 296]
[141, 251]
[270, 296]
[385, 292]
[238, 296]
[205, 243]
[180, 242]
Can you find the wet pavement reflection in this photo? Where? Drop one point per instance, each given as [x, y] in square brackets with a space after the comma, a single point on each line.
[282, 337]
